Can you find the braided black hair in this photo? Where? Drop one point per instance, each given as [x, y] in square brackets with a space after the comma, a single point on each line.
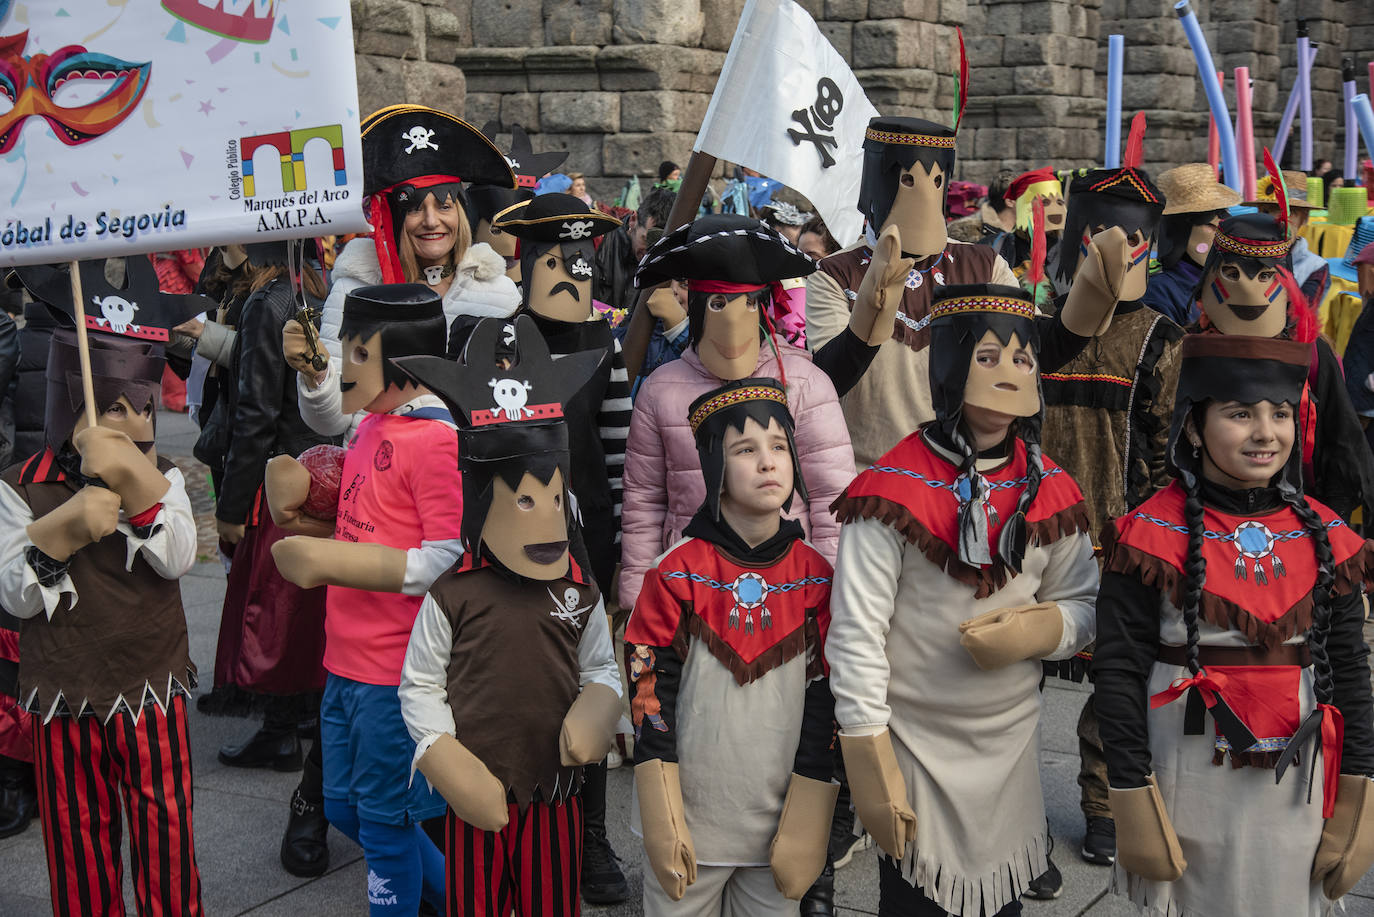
[1322, 685]
[1194, 566]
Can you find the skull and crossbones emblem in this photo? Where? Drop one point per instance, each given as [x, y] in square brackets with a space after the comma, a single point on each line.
[576, 229]
[117, 312]
[580, 267]
[566, 608]
[420, 139]
[511, 396]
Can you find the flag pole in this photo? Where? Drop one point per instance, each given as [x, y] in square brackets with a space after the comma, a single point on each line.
[83, 346]
[689, 195]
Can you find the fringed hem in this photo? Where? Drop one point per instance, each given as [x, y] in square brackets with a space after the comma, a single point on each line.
[233, 701]
[54, 701]
[782, 652]
[984, 580]
[1356, 570]
[1214, 609]
[972, 896]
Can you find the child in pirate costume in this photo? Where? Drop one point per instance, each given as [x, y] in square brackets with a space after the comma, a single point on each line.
[877, 295]
[964, 561]
[415, 160]
[1248, 289]
[1232, 593]
[504, 641]
[398, 527]
[95, 531]
[556, 235]
[733, 775]
[1194, 203]
[486, 201]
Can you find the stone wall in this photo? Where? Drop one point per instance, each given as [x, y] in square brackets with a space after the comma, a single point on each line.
[624, 84]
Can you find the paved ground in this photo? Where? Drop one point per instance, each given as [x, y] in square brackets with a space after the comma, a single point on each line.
[239, 815]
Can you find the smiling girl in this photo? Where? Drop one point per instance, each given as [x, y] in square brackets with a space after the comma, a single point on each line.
[1232, 594]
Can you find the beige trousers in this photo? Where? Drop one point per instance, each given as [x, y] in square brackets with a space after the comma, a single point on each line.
[721, 891]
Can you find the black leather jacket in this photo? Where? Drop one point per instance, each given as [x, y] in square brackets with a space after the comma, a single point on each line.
[258, 395]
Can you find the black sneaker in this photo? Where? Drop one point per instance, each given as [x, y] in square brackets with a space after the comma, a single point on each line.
[1049, 884]
[602, 880]
[1099, 843]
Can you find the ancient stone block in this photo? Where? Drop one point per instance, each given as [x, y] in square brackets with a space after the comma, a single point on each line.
[580, 112]
[640, 154]
[584, 151]
[434, 84]
[953, 12]
[1045, 79]
[814, 8]
[1003, 18]
[521, 108]
[983, 51]
[380, 82]
[444, 34]
[507, 23]
[895, 43]
[493, 69]
[1047, 16]
[852, 10]
[994, 142]
[577, 22]
[643, 67]
[663, 110]
[666, 22]
[921, 10]
[840, 35]
[563, 67]
[890, 89]
[390, 28]
[719, 19]
[991, 81]
[481, 107]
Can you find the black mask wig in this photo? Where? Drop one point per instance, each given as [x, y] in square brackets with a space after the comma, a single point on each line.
[893, 145]
[961, 316]
[1227, 367]
[1174, 231]
[409, 317]
[697, 301]
[1106, 197]
[126, 366]
[730, 407]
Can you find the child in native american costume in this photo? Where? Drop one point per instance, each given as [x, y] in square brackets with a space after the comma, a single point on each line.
[1248, 288]
[1231, 593]
[733, 713]
[964, 561]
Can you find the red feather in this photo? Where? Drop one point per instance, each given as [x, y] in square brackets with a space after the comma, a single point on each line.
[962, 101]
[1280, 189]
[1135, 143]
[1036, 272]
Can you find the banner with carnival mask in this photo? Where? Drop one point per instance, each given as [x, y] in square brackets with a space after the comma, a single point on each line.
[131, 126]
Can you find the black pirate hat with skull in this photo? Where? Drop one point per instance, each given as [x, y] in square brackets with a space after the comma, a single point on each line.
[506, 394]
[555, 220]
[136, 308]
[488, 200]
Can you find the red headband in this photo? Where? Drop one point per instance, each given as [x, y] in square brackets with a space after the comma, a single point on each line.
[384, 234]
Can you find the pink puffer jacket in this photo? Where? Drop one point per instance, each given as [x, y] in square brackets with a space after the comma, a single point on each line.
[663, 483]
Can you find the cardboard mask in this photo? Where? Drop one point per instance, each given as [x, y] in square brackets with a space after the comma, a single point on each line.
[562, 228]
[135, 422]
[507, 397]
[1003, 377]
[1245, 288]
[126, 369]
[379, 323]
[560, 283]
[1042, 184]
[729, 342]
[486, 201]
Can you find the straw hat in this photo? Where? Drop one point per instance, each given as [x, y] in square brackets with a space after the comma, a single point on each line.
[1193, 188]
[1296, 182]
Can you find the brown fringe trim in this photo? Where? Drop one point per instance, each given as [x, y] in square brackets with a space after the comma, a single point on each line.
[781, 652]
[984, 580]
[1214, 609]
[1266, 760]
[1357, 570]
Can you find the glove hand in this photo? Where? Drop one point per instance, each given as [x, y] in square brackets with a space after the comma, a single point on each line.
[472, 791]
[797, 854]
[879, 792]
[663, 305]
[1146, 843]
[880, 293]
[90, 515]
[1097, 284]
[667, 842]
[286, 484]
[1346, 850]
[112, 457]
[998, 638]
[589, 726]
[295, 348]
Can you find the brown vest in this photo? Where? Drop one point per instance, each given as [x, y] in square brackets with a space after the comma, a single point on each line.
[126, 635]
[960, 264]
[513, 673]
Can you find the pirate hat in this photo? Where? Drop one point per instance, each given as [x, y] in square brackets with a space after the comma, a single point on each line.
[730, 406]
[121, 365]
[488, 200]
[554, 218]
[137, 309]
[724, 248]
[405, 142]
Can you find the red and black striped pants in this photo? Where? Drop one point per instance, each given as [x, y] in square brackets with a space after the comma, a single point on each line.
[533, 865]
[85, 770]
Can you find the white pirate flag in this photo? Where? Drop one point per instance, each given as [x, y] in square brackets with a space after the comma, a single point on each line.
[787, 105]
